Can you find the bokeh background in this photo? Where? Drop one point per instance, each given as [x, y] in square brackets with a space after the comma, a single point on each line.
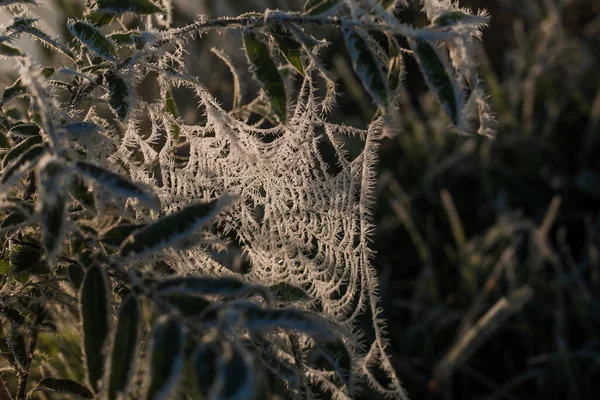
[488, 250]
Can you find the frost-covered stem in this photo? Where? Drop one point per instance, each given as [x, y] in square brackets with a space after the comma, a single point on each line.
[24, 375]
[270, 18]
[276, 18]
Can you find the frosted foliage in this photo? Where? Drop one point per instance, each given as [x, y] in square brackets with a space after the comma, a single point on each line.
[295, 222]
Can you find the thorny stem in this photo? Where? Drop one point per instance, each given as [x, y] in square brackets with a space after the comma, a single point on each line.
[24, 375]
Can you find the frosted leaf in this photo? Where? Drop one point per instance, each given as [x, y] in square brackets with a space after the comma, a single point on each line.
[93, 39]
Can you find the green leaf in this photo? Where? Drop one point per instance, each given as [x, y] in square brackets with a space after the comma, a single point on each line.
[21, 148]
[171, 108]
[258, 318]
[17, 89]
[18, 349]
[26, 25]
[450, 18]
[289, 47]
[82, 192]
[116, 183]
[366, 65]
[94, 309]
[93, 39]
[25, 130]
[437, 77]
[588, 182]
[224, 372]
[16, 215]
[10, 51]
[5, 141]
[189, 305]
[82, 128]
[168, 230]
[166, 358]
[230, 366]
[204, 285]
[385, 4]
[115, 235]
[140, 7]
[52, 206]
[266, 72]
[316, 7]
[23, 255]
[76, 274]
[332, 355]
[63, 386]
[22, 164]
[120, 96]
[13, 316]
[4, 3]
[395, 65]
[205, 362]
[125, 349]
[288, 293]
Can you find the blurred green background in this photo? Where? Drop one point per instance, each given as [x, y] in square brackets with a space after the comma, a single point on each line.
[488, 250]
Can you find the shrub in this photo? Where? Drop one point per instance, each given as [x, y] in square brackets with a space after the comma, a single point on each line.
[117, 211]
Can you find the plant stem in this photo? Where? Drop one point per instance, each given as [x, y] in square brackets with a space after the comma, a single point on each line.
[24, 375]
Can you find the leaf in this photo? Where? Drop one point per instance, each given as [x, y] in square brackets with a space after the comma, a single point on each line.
[18, 349]
[140, 7]
[395, 65]
[258, 319]
[125, 349]
[76, 274]
[189, 305]
[115, 235]
[64, 386]
[289, 47]
[437, 77]
[26, 25]
[120, 96]
[93, 39]
[450, 18]
[22, 164]
[82, 128]
[225, 373]
[4, 3]
[266, 72]
[171, 108]
[385, 4]
[286, 292]
[366, 65]
[23, 256]
[20, 148]
[5, 141]
[168, 230]
[588, 182]
[115, 182]
[94, 309]
[316, 7]
[332, 355]
[12, 315]
[51, 206]
[204, 285]
[10, 51]
[16, 214]
[166, 358]
[17, 89]
[205, 360]
[25, 130]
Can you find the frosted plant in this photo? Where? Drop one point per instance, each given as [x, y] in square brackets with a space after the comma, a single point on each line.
[110, 198]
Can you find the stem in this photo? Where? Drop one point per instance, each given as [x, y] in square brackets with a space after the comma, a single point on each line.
[24, 375]
[270, 19]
